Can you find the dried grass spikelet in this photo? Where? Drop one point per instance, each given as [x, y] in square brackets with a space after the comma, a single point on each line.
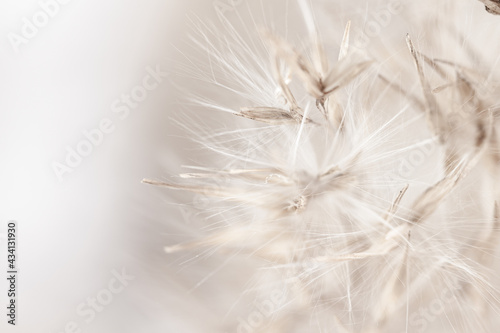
[492, 6]
[313, 190]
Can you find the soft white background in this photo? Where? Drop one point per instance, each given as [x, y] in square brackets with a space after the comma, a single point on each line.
[72, 234]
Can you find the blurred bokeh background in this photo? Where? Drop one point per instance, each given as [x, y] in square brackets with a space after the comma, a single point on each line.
[75, 232]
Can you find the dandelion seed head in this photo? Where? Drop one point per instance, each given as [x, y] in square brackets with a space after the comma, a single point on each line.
[363, 185]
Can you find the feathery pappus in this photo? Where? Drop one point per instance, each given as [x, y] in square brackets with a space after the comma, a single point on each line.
[360, 179]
